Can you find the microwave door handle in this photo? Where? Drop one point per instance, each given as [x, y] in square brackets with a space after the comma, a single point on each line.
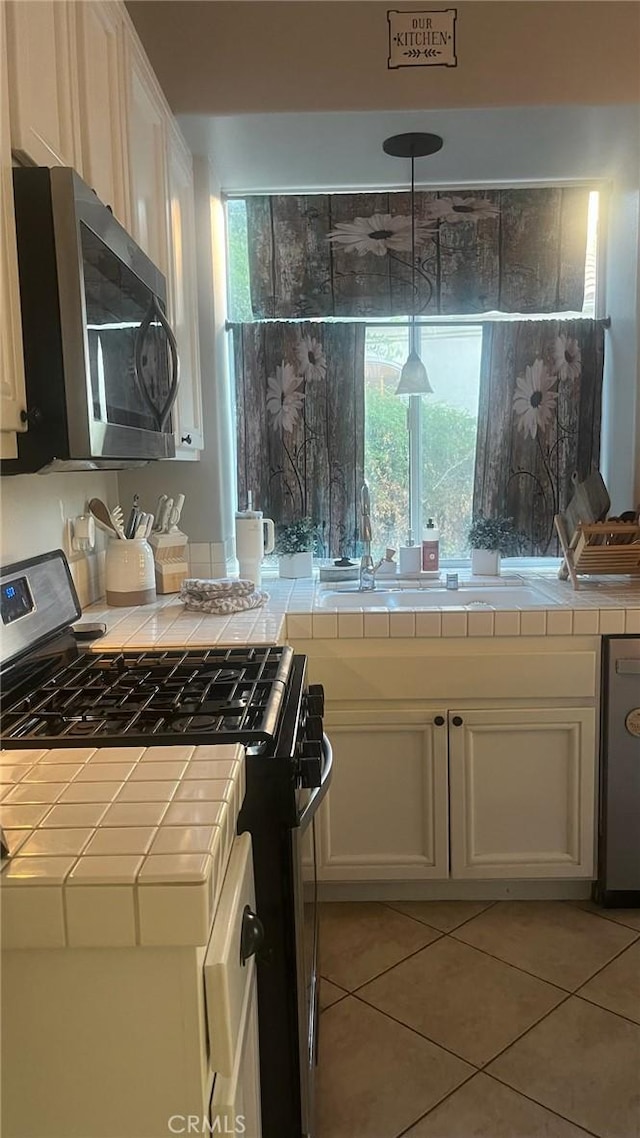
[175, 368]
[155, 313]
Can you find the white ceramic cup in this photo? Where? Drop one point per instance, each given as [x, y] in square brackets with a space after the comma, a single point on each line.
[129, 572]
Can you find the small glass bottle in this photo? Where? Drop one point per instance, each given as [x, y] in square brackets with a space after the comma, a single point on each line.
[431, 548]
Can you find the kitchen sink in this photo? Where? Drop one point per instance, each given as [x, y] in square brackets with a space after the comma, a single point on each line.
[477, 596]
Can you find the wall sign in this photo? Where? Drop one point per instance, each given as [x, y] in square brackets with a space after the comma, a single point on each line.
[422, 39]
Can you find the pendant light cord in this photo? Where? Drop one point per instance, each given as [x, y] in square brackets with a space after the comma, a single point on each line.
[413, 254]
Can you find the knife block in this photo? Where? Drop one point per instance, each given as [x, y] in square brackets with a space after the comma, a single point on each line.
[171, 565]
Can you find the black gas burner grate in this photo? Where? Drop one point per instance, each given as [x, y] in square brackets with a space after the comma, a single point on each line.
[235, 694]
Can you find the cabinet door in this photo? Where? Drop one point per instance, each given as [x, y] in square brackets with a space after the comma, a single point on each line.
[147, 120]
[522, 792]
[183, 298]
[12, 392]
[235, 1102]
[41, 55]
[100, 38]
[385, 817]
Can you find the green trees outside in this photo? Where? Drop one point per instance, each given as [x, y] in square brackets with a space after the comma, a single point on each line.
[448, 444]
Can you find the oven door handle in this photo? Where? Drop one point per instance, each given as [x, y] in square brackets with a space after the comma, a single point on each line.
[320, 791]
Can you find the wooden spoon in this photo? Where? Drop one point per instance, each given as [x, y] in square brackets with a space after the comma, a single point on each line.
[102, 516]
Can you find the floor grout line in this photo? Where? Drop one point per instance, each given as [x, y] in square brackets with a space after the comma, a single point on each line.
[437, 1104]
[444, 932]
[352, 991]
[593, 1004]
[564, 1117]
[602, 914]
[420, 1034]
[536, 976]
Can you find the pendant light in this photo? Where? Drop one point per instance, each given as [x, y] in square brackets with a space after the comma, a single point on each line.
[413, 377]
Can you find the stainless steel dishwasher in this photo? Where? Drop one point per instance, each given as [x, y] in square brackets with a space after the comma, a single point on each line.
[619, 830]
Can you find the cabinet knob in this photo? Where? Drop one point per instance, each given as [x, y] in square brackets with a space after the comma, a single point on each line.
[457, 721]
[439, 720]
[186, 439]
[251, 934]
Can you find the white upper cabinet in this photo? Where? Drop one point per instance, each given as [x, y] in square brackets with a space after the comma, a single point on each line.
[100, 43]
[147, 130]
[41, 50]
[183, 299]
[12, 391]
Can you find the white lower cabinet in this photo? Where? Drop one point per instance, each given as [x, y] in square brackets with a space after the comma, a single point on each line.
[510, 793]
[522, 792]
[385, 818]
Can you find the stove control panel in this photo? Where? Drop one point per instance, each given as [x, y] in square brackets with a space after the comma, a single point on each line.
[15, 599]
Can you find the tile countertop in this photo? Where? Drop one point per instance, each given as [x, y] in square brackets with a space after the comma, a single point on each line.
[602, 606]
[116, 846]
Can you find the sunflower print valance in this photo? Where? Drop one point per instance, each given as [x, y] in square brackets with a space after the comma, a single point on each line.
[514, 250]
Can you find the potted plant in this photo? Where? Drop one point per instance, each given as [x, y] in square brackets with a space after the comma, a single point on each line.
[294, 545]
[491, 538]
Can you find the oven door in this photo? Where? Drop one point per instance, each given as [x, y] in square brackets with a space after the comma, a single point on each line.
[303, 839]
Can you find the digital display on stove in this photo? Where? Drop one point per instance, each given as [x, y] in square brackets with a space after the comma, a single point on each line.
[15, 600]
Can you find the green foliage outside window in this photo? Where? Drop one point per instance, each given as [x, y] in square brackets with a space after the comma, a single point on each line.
[449, 438]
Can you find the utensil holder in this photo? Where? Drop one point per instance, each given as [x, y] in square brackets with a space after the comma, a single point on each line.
[129, 572]
[171, 565]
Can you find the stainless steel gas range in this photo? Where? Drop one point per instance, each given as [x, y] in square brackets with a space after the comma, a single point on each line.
[55, 694]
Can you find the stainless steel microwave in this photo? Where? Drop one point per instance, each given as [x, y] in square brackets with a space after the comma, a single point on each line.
[101, 360]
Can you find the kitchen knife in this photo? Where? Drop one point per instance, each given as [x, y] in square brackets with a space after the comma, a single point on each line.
[141, 525]
[130, 527]
[158, 515]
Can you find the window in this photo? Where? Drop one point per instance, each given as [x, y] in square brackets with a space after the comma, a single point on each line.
[442, 429]
[419, 453]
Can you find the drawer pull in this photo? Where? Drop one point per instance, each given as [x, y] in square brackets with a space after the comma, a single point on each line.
[252, 935]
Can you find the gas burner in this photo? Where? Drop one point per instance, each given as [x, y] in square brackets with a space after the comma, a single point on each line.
[235, 694]
[210, 707]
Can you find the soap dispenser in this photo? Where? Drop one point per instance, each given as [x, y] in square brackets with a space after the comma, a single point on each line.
[431, 548]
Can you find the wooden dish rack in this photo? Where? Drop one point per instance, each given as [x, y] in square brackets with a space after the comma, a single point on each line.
[598, 547]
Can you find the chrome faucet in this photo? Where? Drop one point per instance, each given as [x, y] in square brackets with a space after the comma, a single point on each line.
[368, 569]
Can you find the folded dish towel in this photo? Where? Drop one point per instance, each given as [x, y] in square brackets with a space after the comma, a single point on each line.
[221, 596]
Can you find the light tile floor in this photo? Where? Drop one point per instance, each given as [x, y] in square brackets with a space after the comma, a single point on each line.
[456, 1019]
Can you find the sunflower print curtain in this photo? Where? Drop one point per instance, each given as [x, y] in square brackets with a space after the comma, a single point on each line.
[300, 424]
[538, 421]
[483, 251]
